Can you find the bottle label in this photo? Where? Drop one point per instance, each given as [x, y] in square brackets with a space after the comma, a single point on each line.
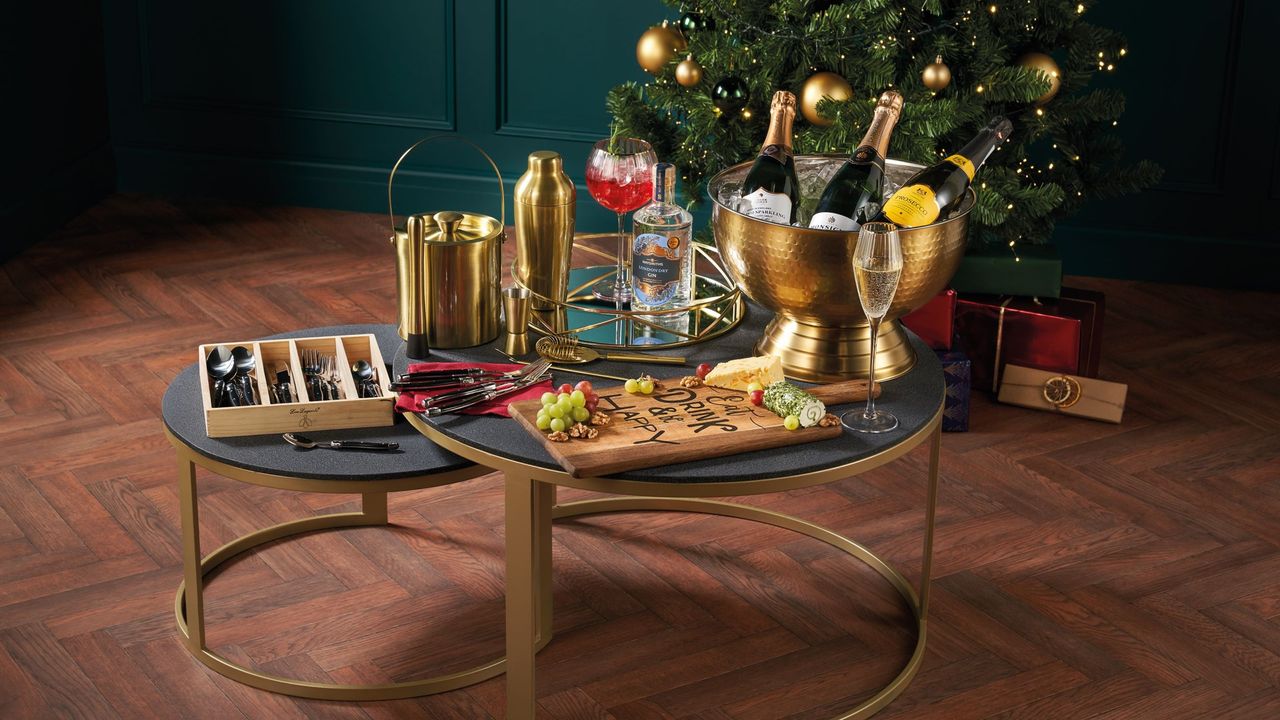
[963, 163]
[767, 206]
[833, 221]
[912, 206]
[655, 268]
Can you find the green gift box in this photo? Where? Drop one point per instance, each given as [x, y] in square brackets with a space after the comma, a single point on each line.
[1031, 271]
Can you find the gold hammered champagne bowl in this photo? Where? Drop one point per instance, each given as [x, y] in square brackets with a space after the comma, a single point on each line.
[806, 278]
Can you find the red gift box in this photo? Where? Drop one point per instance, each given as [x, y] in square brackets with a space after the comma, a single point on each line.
[934, 321]
[1062, 335]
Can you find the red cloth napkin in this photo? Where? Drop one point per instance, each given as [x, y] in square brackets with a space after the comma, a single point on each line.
[408, 401]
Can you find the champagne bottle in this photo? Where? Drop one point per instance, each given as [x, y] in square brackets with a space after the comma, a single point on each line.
[853, 195]
[771, 191]
[933, 192]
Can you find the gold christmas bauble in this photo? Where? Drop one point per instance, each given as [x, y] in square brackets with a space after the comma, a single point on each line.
[657, 46]
[936, 75]
[689, 72]
[820, 85]
[1046, 65]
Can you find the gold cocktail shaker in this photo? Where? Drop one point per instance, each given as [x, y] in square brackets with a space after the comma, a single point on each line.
[544, 202]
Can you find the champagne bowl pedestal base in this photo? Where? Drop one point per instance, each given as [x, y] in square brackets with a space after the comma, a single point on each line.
[806, 277]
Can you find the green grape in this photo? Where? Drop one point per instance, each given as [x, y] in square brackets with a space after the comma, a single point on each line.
[646, 386]
[557, 424]
[632, 386]
[566, 406]
[543, 412]
[791, 422]
[548, 398]
[578, 398]
[544, 421]
[581, 414]
[563, 397]
[555, 411]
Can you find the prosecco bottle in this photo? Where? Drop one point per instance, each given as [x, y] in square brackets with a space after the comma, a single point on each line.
[771, 191]
[933, 192]
[854, 193]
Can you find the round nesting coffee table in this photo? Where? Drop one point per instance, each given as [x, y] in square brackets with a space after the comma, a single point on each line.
[532, 476]
[268, 461]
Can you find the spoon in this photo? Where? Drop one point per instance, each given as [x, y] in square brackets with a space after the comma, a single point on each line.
[306, 443]
[362, 372]
[220, 365]
[245, 364]
[566, 350]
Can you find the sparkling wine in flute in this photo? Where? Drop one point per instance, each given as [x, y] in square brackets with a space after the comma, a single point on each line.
[935, 191]
[771, 191]
[877, 281]
[853, 195]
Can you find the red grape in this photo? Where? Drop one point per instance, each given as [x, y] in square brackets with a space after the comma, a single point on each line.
[591, 405]
[566, 388]
[757, 397]
[702, 371]
[584, 386]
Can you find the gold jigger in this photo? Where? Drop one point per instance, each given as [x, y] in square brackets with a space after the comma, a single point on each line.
[515, 312]
[806, 278]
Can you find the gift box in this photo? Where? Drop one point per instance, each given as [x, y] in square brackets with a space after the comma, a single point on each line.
[934, 322]
[1062, 335]
[957, 372]
[1079, 396]
[1030, 271]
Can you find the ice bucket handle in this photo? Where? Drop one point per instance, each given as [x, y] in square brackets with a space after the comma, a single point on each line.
[502, 194]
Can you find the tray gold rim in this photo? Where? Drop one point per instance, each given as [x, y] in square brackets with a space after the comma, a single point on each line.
[728, 303]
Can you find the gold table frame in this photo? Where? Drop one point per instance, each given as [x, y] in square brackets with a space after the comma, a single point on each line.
[531, 507]
[188, 604]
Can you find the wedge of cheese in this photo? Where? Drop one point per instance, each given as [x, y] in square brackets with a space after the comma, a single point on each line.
[738, 374]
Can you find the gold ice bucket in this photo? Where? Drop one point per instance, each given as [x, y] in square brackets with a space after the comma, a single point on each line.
[448, 271]
[806, 277]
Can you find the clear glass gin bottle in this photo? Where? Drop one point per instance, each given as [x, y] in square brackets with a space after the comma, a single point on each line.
[662, 253]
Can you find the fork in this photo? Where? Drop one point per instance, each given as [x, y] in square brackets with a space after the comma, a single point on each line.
[475, 396]
[408, 381]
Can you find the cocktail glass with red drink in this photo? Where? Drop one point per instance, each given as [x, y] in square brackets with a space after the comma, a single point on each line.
[620, 177]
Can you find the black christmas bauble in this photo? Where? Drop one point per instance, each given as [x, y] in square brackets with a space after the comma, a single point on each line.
[730, 95]
[692, 22]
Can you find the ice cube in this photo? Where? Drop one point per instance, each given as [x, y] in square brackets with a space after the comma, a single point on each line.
[729, 194]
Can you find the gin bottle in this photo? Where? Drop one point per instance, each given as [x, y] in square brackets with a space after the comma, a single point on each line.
[662, 253]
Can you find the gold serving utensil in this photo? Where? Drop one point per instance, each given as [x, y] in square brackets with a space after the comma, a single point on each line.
[567, 350]
[575, 371]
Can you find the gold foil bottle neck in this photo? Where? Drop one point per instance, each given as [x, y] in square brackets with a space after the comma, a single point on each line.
[890, 101]
[544, 183]
[782, 114]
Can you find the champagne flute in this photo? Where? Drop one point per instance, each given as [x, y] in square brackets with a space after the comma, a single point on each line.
[620, 177]
[877, 264]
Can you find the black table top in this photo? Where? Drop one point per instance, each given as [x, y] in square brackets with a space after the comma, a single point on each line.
[915, 398]
[417, 456]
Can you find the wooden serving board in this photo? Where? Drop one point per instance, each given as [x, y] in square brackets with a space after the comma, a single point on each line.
[677, 424]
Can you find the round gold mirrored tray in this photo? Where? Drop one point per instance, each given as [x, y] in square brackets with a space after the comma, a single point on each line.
[717, 306]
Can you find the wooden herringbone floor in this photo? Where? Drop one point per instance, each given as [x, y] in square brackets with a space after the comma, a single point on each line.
[1084, 570]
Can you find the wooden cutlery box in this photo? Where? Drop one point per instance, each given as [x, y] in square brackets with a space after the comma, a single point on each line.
[305, 412]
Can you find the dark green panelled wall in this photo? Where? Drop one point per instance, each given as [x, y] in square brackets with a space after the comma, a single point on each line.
[57, 158]
[310, 102]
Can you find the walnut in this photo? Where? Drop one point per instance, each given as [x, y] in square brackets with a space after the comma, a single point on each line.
[585, 432]
[657, 384]
[558, 436]
[829, 420]
[600, 418]
[691, 381]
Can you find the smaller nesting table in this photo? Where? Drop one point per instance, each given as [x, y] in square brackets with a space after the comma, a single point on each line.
[268, 461]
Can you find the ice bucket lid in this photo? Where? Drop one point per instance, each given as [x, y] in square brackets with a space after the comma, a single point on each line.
[456, 228]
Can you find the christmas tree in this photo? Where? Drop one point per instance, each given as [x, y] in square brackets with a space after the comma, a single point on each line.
[956, 63]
